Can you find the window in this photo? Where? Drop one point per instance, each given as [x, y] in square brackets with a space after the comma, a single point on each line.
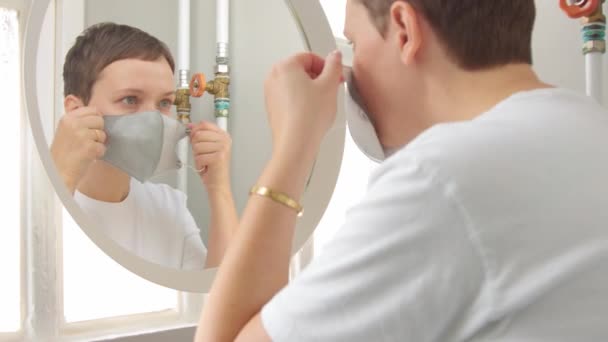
[49, 293]
[335, 12]
[101, 288]
[356, 167]
[10, 183]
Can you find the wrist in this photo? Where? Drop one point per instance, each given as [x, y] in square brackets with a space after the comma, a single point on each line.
[299, 154]
[219, 190]
[70, 182]
[287, 173]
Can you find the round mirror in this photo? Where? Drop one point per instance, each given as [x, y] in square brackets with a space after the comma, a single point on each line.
[259, 36]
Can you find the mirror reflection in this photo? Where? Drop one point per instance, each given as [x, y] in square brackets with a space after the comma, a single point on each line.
[118, 133]
[155, 152]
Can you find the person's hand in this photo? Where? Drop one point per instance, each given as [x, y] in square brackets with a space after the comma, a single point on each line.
[79, 140]
[211, 147]
[301, 101]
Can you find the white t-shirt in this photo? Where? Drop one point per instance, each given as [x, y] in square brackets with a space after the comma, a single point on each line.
[494, 229]
[153, 222]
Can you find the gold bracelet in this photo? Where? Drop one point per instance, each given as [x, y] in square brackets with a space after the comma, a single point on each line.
[278, 197]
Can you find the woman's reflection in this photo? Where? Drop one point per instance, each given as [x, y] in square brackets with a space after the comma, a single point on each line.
[116, 70]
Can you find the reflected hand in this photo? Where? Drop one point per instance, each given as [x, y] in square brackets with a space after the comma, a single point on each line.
[211, 147]
[79, 140]
[301, 101]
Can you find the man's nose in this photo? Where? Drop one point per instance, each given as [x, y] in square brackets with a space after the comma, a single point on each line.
[148, 107]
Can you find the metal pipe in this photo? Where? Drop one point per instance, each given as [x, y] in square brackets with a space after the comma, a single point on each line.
[594, 72]
[183, 39]
[182, 99]
[593, 30]
[190, 303]
[220, 85]
[594, 47]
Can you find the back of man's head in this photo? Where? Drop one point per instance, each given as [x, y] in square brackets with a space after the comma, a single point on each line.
[101, 45]
[477, 34]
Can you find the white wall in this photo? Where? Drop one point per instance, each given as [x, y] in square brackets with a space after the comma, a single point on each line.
[259, 37]
[557, 46]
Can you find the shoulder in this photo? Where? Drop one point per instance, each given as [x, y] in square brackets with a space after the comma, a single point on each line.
[519, 133]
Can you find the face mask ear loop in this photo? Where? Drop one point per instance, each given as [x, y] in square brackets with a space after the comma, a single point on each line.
[180, 164]
[201, 171]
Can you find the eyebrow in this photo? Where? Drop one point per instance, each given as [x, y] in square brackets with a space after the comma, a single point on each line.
[138, 91]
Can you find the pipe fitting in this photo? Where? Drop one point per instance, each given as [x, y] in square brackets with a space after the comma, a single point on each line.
[222, 51]
[594, 46]
[182, 97]
[219, 87]
[596, 17]
[184, 79]
[222, 69]
[594, 28]
[183, 105]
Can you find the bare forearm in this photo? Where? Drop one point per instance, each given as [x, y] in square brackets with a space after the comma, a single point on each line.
[223, 224]
[257, 264]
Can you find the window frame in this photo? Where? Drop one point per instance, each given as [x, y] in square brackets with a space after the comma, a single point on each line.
[41, 227]
[20, 7]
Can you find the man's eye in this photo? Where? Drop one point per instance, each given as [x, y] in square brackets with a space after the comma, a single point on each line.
[165, 103]
[129, 100]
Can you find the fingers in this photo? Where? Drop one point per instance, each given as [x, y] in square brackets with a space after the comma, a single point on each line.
[311, 64]
[332, 72]
[97, 135]
[208, 136]
[207, 147]
[77, 122]
[91, 121]
[204, 125]
[210, 145]
[204, 160]
[85, 111]
[94, 150]
[328, 69]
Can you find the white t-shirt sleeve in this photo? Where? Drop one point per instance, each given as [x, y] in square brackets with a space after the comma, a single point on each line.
[194, 252]
[402, 268]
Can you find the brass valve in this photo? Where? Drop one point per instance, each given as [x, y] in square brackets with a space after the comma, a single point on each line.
[183, 105]
[219, 88]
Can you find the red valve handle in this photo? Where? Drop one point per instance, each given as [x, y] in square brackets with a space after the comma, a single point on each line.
[198, 85]
[584, 9]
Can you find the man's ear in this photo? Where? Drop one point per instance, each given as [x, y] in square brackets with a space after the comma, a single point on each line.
[71, 103]
[404, 26]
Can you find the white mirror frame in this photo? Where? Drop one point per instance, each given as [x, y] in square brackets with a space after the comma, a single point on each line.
[319, 39]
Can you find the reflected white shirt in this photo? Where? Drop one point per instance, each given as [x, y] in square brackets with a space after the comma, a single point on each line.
[153, 222]
[494, 229]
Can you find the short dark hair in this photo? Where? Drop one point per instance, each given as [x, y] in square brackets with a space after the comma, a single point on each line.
[99, 46]
[477, 34]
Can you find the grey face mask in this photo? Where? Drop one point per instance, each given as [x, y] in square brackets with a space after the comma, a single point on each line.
[143, 144]
[359, 124]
